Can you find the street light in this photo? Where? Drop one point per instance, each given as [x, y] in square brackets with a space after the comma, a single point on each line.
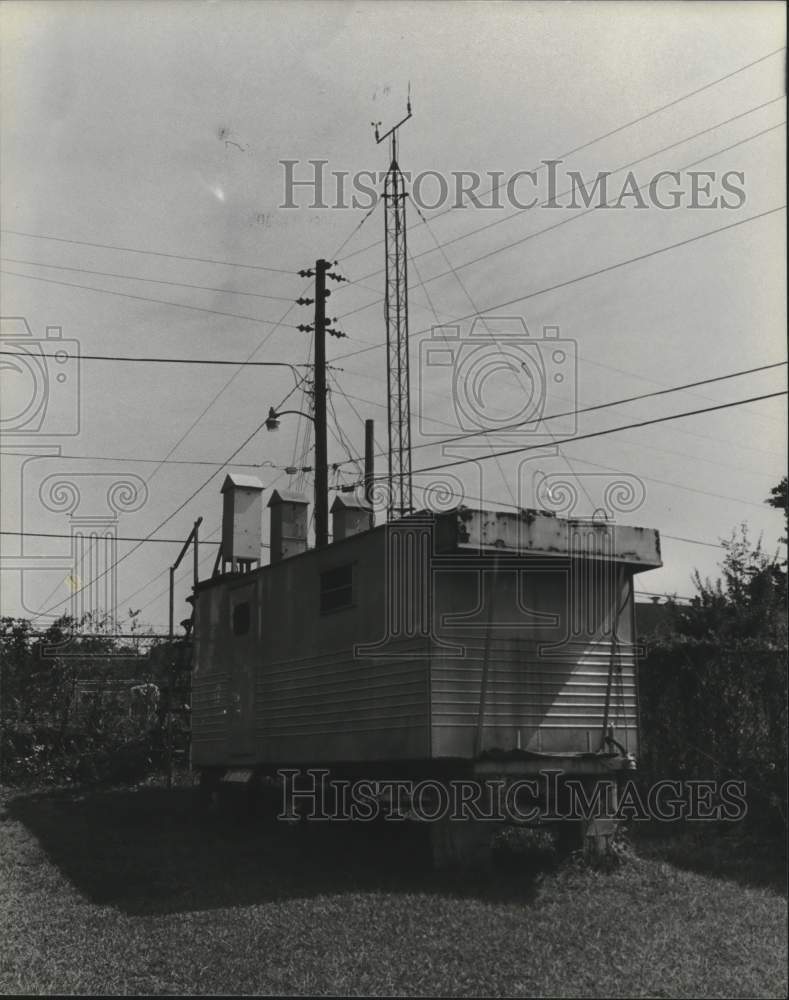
[272, 421]
[321, 485]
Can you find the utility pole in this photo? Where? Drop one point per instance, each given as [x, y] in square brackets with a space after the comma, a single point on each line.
[369, 466]
[400, 500]
[320, 329]
[321, 456]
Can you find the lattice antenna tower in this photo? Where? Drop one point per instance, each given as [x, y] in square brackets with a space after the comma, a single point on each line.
[400, 496]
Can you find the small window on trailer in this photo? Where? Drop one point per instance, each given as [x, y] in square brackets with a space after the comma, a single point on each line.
[337, 589]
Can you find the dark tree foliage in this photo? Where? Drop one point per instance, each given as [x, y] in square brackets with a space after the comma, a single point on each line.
[76, 704]
[778, 498]
[713, 686]
[748, 600]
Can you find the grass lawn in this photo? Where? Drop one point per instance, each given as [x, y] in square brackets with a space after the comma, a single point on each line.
[127, 892]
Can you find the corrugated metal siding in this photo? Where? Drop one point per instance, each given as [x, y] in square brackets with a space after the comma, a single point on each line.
[313, 700]
[553, 704]
[332, 706]
[540, 695]
[210, 682]
[210, 697]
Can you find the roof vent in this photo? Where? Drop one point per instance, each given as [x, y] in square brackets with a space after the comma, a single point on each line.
[350, 516]
[288, 524]
[242, 521]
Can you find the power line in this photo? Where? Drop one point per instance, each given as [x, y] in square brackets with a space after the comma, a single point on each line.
[651, 593]
[145, 461]
[630, 165]
[598, 406]
[161, 524]
[243, 444]
[185, 571]
[572, 459]
[601, 433]
[205, 541]
[143, 298]
[613, 430]
[562, 222]
[153, 281]
[342, 439]
[667, 482]
[310, 426]
[473, 306]
[692, 541]
[524, 239]
[179, 541]
[578, 215]
[360, 418]
[614, 131]
[114, 538]
[264, 341]
[636, 444]
[151, 253]
[184, 574]
[589, 274]
[164, 361]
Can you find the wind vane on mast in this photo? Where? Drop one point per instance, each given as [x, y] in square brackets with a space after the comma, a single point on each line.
[393, 130]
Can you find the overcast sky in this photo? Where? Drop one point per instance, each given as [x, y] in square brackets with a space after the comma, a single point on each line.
[161, 127]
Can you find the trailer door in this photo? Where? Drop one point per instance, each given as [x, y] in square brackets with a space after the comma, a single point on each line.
[243, 655]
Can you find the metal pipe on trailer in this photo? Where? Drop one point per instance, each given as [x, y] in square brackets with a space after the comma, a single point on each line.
[192, 539]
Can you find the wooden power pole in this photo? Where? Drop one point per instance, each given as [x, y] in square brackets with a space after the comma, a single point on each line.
[321, 456]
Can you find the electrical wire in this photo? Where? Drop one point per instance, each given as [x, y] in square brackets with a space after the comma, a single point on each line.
[473, 305]
[148, 537]
[114, 538]
[145, 298]
[564, 221]
[310, 346]
[571, 191]
[151, 253]
[577, 411]
[614, 430]
[144, 461]
[490, 334]
[621, 128]
[590, 274]
[192, 495]
[153, 281]
[156, 361]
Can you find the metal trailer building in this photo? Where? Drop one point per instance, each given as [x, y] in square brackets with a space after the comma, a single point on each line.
[465, 642]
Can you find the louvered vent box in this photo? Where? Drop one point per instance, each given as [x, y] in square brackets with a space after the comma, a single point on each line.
[242, 519]
[288, 524]
[350, 516]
